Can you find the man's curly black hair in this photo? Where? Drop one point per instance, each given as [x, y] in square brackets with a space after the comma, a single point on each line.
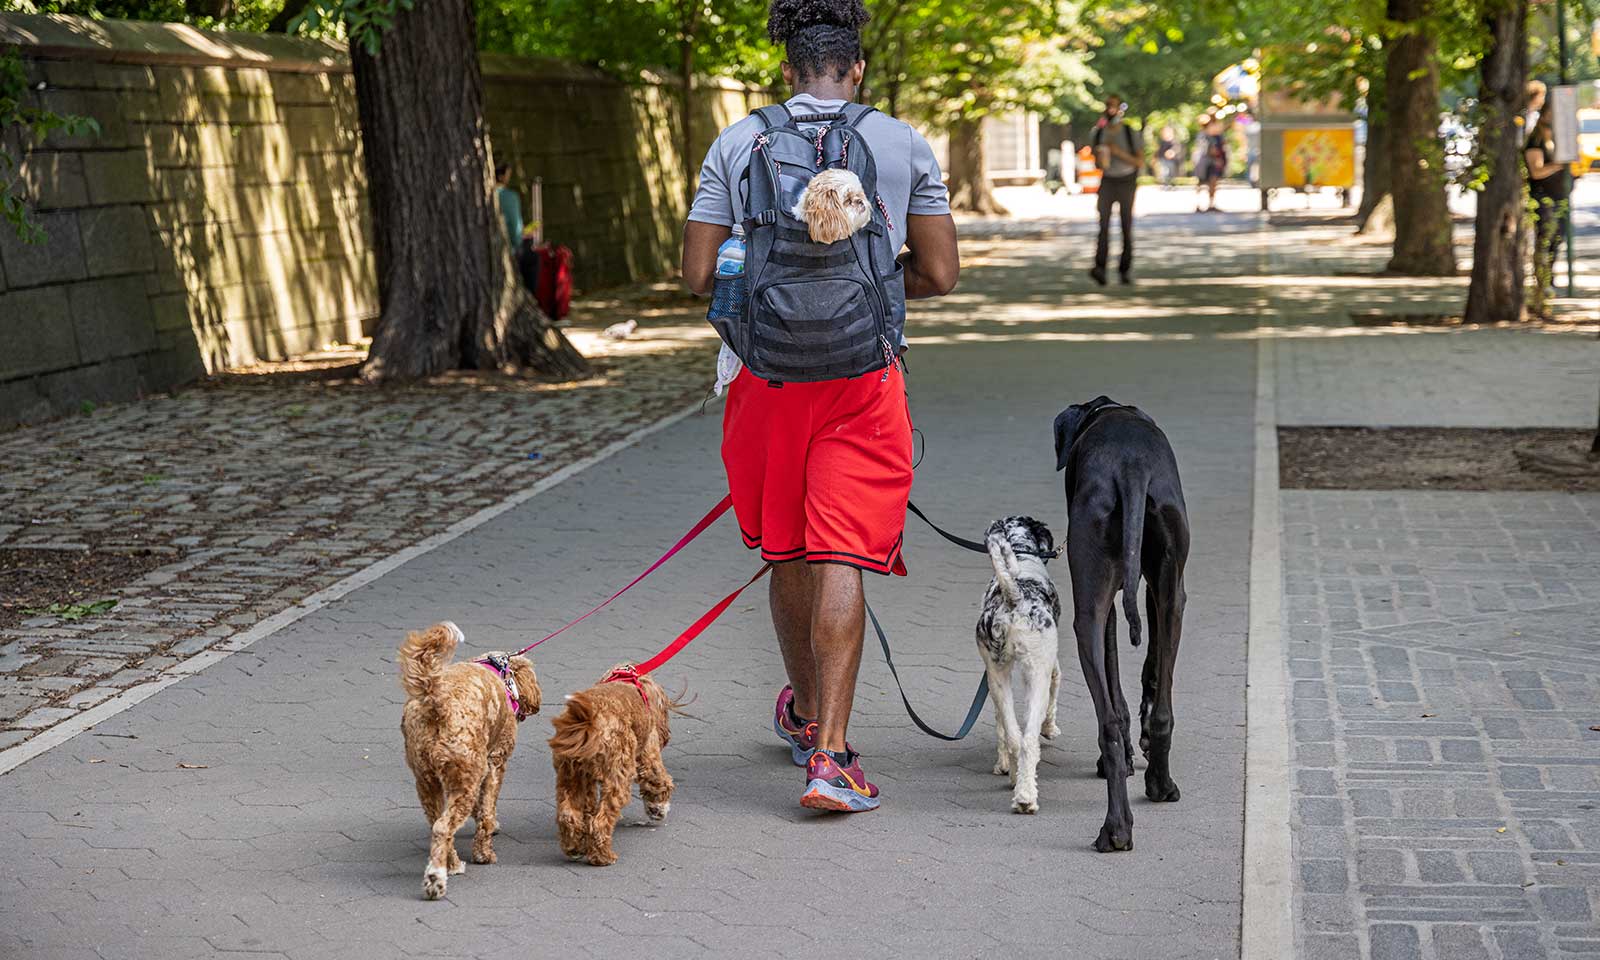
[820, 37]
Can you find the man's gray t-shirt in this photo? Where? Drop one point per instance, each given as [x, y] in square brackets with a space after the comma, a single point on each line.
[908, 175]
[1125, 137]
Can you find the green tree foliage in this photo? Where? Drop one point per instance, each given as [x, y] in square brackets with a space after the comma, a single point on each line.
[725, 37]
[945, 61]
[1160, 69]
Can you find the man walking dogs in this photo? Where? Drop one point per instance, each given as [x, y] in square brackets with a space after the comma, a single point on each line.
[1120, 152]
[818, 453]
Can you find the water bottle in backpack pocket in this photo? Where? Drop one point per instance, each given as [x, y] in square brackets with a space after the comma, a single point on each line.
[729, 289]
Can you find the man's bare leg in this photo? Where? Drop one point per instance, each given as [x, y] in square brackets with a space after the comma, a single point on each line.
[838, 619]
[791, 600]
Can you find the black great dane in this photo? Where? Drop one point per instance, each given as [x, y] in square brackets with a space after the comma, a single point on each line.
[1125, 515]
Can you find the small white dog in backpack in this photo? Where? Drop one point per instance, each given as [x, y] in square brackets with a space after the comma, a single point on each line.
[833, 206]
[1017, 634]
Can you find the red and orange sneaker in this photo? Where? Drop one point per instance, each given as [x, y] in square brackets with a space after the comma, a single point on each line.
[834, 781]
[799, 734]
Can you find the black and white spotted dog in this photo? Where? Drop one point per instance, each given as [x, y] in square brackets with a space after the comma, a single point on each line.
[1017, 634]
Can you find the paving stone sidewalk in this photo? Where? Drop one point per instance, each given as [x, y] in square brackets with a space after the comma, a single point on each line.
[1442, 651]
[293, 830]
[260, 490]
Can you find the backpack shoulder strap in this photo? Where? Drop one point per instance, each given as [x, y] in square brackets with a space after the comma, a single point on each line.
[854, 112]
[774, 115]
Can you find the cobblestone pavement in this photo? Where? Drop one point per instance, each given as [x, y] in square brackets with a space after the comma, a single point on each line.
[1446, 716]
[293, 831]
[263, 490]
[1444, 667]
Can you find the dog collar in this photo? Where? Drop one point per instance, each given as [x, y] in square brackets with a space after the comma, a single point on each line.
[501, 664]
[627, 674]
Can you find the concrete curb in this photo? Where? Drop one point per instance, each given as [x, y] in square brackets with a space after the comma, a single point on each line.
[1267, 931]
[55, 736]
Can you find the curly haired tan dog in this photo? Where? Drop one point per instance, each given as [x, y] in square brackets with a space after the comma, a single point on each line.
[609, 737]
[833, 206]
[460, 724]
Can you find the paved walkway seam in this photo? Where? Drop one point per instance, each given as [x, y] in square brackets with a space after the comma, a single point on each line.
[62, 732]
[1267, 923]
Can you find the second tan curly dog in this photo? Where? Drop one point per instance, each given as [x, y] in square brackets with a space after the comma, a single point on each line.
[460, 724]
[609, 737]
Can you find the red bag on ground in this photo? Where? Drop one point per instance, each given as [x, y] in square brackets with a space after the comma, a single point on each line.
[554, 291]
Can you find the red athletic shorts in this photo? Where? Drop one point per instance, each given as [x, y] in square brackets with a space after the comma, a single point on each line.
[821, 471]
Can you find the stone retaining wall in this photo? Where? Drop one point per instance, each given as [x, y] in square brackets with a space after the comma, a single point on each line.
[219, 217]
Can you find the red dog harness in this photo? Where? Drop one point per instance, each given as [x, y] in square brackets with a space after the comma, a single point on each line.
[628, 673]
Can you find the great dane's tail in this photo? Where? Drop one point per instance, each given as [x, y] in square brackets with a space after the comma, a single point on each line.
[1132, 494]
[1006, 570]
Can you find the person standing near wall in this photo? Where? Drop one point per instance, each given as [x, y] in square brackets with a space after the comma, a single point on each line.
[1120, 152]
[510, 204]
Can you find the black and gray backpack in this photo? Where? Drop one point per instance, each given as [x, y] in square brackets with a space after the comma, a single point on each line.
[815, 311]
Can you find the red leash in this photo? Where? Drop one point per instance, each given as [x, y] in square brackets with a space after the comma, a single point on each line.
[698, 627]
[699, 528]
[631, 673]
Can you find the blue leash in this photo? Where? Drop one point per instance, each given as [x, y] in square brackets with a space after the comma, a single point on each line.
[888, 658]
[972, 712]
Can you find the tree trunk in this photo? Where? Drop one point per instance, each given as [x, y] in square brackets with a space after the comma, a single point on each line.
[1375, 166]
[1496, 292]
[1422, 241]
[969, 170]
[447, 288]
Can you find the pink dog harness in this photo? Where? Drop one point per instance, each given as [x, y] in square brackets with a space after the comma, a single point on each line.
[501, 665]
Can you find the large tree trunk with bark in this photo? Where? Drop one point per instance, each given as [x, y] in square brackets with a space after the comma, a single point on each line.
[1422, 241]
[1496, 292]
[969, 170]
[1375, 165]
[447, 287]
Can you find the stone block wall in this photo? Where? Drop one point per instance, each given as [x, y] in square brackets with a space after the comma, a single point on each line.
[219, 217]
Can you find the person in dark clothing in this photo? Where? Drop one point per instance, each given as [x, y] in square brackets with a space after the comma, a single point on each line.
[1550, 184]
[1120, 152]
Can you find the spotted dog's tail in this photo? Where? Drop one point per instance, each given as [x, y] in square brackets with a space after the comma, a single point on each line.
[1006, 570]
[1132, 494]
[424, 655]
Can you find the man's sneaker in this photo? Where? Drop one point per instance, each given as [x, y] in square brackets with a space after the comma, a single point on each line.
[834, 781]
[800, 735]
[1098, 275]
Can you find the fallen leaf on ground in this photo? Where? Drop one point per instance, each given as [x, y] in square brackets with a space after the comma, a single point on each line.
[101, 760]
[1499, 829]
[1595, 727]
[201, 766]
[1427, 715]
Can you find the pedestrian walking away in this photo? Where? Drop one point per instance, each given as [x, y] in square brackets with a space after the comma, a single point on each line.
[1211, 160]
[819, 466]
[1168, 152]
[1550, 185]
[1120, 152]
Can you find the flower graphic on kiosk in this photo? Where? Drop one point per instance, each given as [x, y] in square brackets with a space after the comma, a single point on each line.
[1320, 158]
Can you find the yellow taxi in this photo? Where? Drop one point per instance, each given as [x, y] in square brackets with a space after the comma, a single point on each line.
[1588, 141]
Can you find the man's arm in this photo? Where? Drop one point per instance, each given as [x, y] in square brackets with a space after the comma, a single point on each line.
[932, 260]
[700, 243]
